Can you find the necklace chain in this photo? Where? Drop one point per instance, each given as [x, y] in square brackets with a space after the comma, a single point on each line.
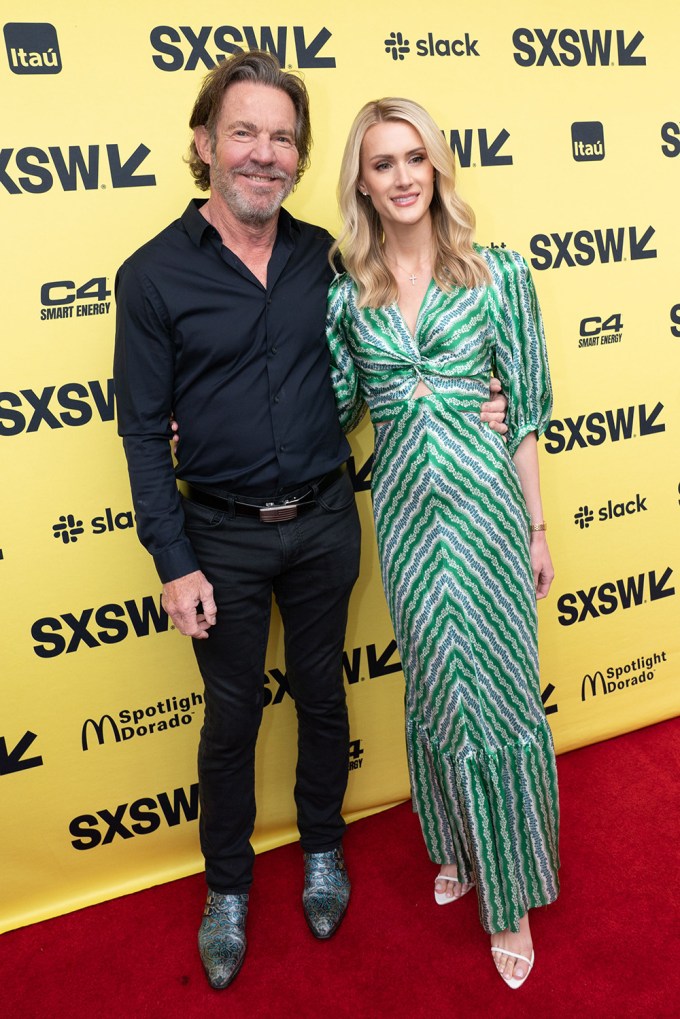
[412, 276]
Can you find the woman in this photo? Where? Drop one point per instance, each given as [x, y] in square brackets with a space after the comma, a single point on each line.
[415, 327]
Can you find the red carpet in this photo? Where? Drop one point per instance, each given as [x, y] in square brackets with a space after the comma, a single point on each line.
[608, 947]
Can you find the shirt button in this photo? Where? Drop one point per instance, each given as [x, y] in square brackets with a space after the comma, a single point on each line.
[275, 349]
[276, 399]
[282, 449]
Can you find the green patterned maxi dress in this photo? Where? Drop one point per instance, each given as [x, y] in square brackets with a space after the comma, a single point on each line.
[453, 538]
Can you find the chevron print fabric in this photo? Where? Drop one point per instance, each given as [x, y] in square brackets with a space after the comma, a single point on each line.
[453, 539]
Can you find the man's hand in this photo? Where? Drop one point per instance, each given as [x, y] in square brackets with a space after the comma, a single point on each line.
[181, 599]
[495, 409]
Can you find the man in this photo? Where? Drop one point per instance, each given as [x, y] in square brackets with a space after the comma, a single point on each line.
[221, 322]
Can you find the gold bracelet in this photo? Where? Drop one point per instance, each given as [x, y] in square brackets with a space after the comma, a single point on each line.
[538, 527]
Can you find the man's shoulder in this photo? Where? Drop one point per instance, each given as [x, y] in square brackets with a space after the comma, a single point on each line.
[310, 233]
[170, 242]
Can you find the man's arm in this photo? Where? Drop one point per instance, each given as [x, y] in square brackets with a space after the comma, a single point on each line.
[496, 408]
[144, 382]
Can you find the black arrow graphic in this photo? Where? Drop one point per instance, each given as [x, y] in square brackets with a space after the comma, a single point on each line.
[546, 695]
[379, 665]
[307, 55]
[361, 479]
[657, 588]
[12, 761]
[638, 248]
[647, 425]
[626, 50]
[488, 153]
[122, 174]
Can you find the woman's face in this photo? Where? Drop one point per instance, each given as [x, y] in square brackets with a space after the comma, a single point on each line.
[396, 173]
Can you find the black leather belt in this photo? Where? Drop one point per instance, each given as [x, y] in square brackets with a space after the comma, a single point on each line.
[270, 512]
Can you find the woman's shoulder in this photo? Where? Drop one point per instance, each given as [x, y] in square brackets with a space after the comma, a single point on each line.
[505, 264]
[341, 287]
[502, 260]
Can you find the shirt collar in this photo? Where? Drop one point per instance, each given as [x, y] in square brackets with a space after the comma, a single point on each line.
[196, 225]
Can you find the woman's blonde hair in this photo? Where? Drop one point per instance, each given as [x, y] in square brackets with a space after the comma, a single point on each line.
[361, 239]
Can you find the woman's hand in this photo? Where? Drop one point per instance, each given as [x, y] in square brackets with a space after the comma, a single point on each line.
[541, 563]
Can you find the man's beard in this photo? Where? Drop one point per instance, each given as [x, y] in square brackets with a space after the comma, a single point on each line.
[253, 209]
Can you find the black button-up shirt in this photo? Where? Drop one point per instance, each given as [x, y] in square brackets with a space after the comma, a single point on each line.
[244, 369]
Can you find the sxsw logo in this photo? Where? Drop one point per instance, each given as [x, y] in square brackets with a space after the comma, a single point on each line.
[358, 665]
[15, 759]
[599, 426]
[569, 47]
[585, 516]
[587, 140]
[208, 46]
[108, 624]
[670, 134]
[72, 404]
[604, 599]
[488, 146]
[585, 247]
[32, 48]
[141, 817]
[36, 170]
[397, 45]
[675, 320]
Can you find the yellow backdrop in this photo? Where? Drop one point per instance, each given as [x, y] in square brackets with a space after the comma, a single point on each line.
[565, 121]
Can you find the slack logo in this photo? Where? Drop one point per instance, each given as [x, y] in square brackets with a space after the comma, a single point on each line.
[587, 141]
[612, 511]
[32, 48]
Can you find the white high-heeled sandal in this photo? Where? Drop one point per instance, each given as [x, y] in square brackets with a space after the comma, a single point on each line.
[441, 898]
[514, 982]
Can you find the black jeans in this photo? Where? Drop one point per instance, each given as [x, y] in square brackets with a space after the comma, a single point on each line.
[310, 564]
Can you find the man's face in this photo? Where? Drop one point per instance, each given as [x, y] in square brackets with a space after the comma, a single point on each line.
[253, 159]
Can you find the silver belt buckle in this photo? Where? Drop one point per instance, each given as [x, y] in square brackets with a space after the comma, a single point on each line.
[274, 514]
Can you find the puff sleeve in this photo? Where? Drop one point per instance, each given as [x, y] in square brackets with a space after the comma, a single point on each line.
[520, 358]
[344, 375]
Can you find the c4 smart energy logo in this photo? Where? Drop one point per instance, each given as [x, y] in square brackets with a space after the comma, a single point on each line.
[187, 49]
[68, 299]
[398, 46]
[595, 331]
[570, 47]
[587, 141]
[356, 755]
[32, 48]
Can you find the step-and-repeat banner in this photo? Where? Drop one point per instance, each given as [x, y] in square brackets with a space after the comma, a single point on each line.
[565, 122]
